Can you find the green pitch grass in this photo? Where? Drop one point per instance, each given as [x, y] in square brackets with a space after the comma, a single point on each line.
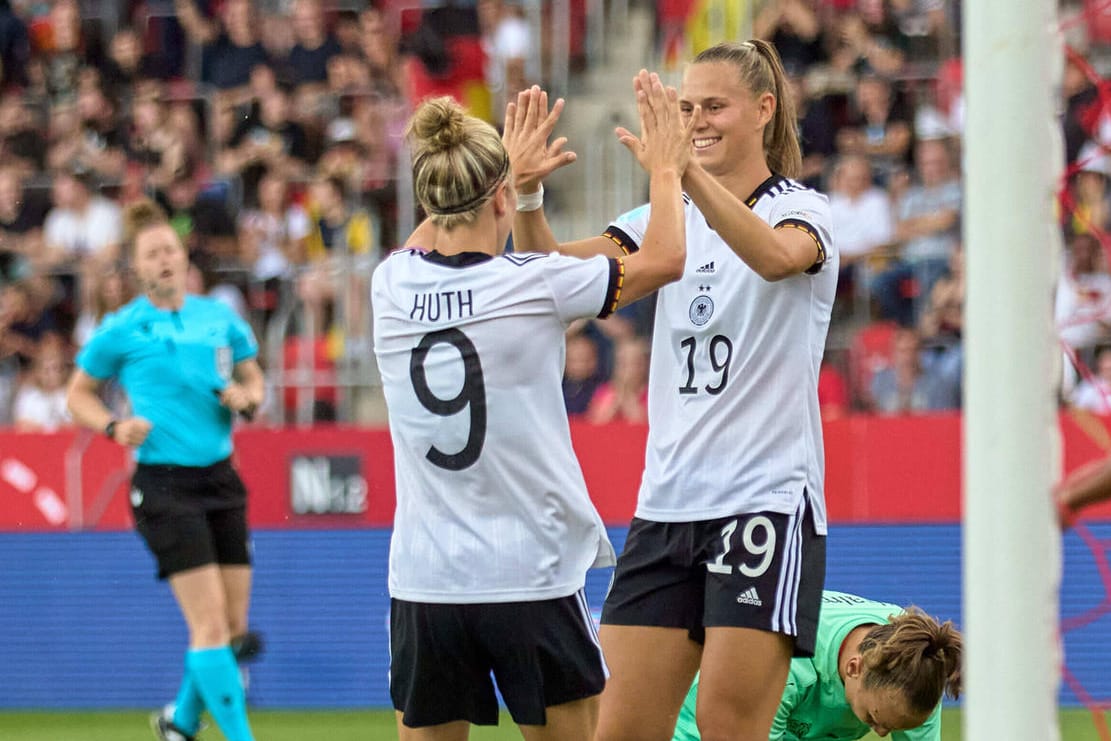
[339, 725]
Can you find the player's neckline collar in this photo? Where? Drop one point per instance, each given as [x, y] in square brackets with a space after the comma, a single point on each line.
[763, 188]
[458, 260]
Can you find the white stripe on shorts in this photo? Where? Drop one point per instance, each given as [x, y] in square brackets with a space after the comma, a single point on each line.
[785, 614]
[592, 629]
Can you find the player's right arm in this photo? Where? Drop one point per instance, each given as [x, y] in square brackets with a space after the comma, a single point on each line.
[528, 124]
[663, 149]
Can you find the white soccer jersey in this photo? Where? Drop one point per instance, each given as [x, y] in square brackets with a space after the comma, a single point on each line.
[733, 394]
[491, 502]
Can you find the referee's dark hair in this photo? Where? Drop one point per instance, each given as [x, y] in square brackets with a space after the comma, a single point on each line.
[761, 69]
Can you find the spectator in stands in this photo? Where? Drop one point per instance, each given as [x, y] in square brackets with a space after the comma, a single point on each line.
[69, 50]
[625, 395]
[1088, 199]
[341, 252]
[1083, 299]
[83, 226]
[942, 319]
[862, 221]
[272, 240]
[1082, 105]
[868, 41]
[880, 128]
[184, 119]
[103, 292]
[877, 668]
[380, 49]
[266, 141]
[506, 39]
[927, 230]
[1094, 393]
[307, 61]
[817, 131]
[231, 48]
[15, 48]
[204, 224]
[66, 138]
[346, 30]
[909, 385]
[795, 29]
[103, 134]
[22, 214]
[154, 144]
[21, 134]
[925, 26]
[581, 378]
[127, 65]
[40, 402]
[24, 322]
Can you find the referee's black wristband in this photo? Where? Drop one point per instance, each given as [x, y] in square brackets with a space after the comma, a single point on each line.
[110, 429]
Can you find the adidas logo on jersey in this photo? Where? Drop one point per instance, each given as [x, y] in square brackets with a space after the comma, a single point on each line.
[750, 597]
[707, 268]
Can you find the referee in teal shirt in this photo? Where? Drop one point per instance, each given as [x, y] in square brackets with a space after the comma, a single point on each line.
[188, 366]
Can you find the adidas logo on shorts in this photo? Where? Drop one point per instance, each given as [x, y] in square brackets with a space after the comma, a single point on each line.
[750, 597]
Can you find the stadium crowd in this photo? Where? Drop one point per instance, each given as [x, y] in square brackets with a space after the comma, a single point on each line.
[270, 131]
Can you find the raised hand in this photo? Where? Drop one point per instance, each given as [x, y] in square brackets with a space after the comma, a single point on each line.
[665, 140]
[528, 124]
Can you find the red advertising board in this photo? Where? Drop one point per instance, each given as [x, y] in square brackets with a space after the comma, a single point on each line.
[878, 469]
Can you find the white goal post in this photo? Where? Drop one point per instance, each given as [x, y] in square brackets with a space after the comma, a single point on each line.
[1012, 153]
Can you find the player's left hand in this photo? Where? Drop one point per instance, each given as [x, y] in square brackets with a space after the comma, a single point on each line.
[528, 124]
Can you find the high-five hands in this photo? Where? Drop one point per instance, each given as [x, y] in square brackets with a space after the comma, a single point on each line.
[528, 124]
[665, 139]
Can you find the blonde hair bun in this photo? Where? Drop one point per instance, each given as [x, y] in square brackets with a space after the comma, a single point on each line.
[439, 125]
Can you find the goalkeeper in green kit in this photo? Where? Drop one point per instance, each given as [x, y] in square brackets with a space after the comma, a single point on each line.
[876, 667]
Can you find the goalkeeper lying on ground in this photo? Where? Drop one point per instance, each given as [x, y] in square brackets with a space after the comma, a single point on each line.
[876, 668]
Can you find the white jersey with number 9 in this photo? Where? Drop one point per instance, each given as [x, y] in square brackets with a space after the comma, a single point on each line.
[491, 501]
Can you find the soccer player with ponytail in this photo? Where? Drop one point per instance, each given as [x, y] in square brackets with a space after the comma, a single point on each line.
[724, 565]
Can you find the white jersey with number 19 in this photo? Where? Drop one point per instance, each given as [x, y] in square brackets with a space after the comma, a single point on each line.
[491, 501]
[733, 414]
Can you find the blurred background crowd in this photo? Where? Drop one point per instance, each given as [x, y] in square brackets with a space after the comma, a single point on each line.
[271, 132]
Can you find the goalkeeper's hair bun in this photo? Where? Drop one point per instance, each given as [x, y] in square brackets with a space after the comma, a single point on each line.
[915, 654]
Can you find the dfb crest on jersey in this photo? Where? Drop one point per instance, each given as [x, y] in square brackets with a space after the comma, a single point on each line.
[702, 308]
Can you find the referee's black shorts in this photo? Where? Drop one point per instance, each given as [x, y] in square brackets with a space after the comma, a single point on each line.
[442, 656]
[191, 516]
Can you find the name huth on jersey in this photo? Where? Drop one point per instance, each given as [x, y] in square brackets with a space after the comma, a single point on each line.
[448, 305]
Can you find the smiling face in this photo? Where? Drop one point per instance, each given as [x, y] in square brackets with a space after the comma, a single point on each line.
[731, 129]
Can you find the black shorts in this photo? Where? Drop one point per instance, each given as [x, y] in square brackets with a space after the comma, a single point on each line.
[540, 653]
[723, 572]
[191, 516]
